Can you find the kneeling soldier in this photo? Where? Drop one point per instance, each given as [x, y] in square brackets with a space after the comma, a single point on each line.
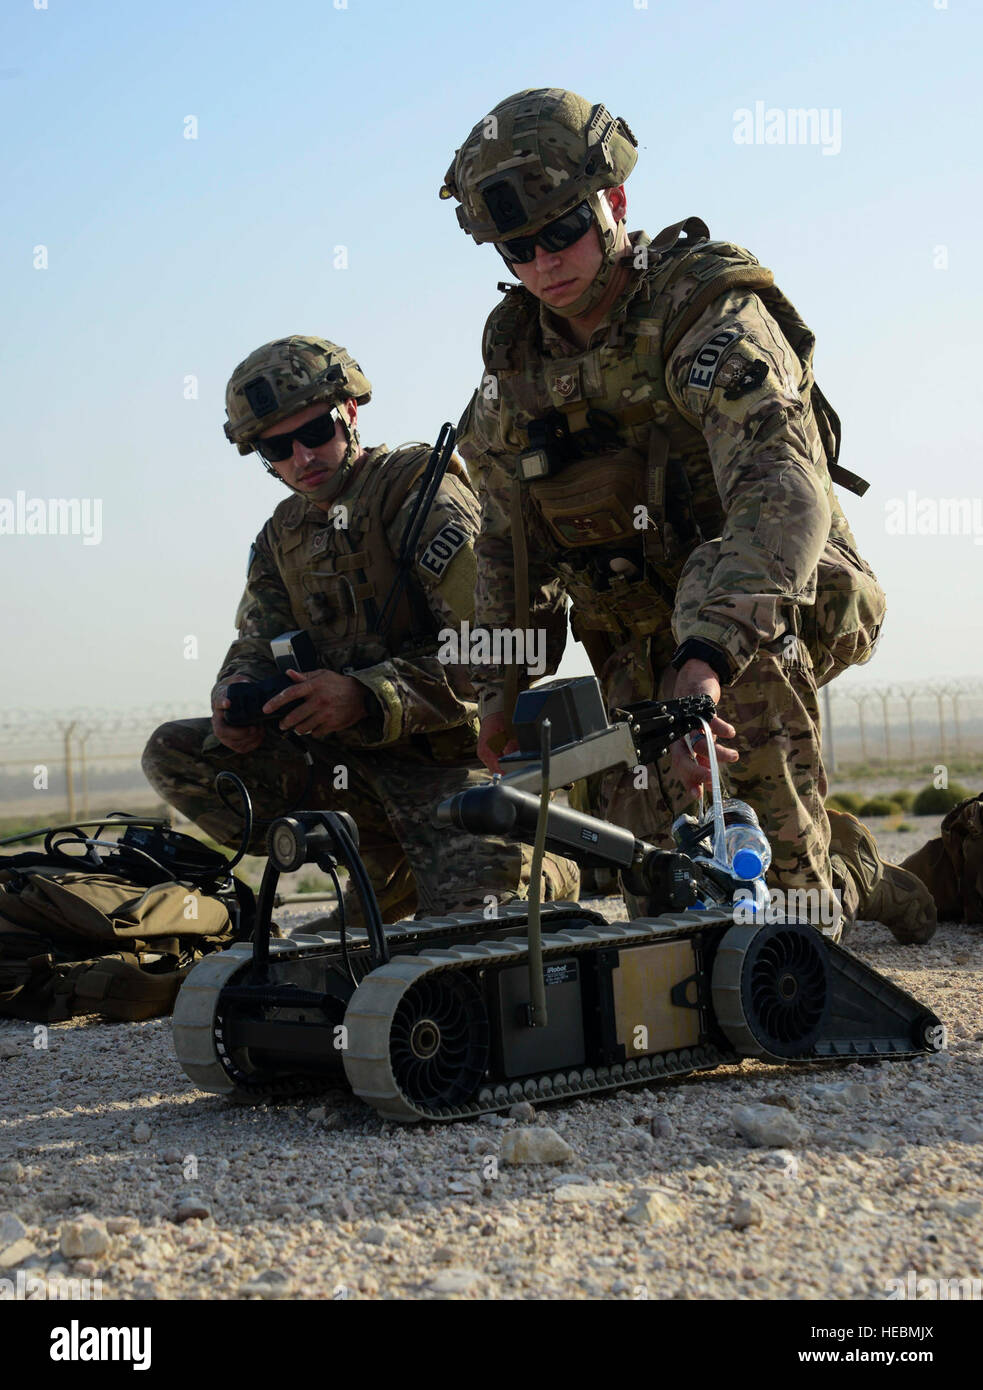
[391, 729]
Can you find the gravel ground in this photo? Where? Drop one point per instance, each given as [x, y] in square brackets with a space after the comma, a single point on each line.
[113, 1167]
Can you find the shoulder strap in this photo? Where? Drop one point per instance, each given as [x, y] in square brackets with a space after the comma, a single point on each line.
[748, 277]
[505, 327]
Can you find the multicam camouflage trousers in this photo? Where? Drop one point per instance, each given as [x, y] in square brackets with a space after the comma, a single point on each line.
[413, 864]
[774, 706]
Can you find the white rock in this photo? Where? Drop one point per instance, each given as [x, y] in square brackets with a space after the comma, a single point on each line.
[651, 1206]
[119, 1225]
[768, 1126]
[962, 1210]
[12, 1172]
[869, 1141]
[142, 1133]
[523, 1111]
[538, 1145]
[16, 1254]
[580, 1192]
[864, 1206]
[856, 1093]
[746, 1211]
[87, 1236]
[781, 1158]
[455, 1280]
[11, 1228]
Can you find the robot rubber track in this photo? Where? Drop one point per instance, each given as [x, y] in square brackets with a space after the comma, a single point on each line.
[436, 1032]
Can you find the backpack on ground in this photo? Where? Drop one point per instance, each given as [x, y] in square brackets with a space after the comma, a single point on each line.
[951, 865]
[115, 934]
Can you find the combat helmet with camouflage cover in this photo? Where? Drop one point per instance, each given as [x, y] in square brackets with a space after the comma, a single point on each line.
[535, 157]
[284, 376]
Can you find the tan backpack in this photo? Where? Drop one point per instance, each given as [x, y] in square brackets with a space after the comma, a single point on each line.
[78, 939]
[951, 865]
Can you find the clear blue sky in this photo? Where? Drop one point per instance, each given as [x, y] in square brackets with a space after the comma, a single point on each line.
[321, 127]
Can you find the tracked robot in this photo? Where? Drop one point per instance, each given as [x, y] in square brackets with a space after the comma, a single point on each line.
[451, 1017]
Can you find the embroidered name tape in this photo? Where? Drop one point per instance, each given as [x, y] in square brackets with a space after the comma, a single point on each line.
[442, 549]
[707, 360]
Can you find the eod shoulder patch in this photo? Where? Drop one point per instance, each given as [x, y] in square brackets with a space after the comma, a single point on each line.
[442, 548]
[707, 360]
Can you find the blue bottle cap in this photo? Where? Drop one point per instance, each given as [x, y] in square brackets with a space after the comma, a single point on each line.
[747, 864]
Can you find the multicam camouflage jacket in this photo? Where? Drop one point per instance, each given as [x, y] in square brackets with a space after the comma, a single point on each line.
[713, 492]
[330, 572]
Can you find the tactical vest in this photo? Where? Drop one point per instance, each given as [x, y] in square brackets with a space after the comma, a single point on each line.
[611, 404]
[338, 567]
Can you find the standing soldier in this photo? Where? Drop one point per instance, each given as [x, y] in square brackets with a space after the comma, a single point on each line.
[390, 729]
[648, 438]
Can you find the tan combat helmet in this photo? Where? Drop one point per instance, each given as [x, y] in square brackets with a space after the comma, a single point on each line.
[533, 158]
[284, 376]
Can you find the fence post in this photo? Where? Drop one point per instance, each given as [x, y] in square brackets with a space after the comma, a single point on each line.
[69, 773]
[884, 696]
[908, 697]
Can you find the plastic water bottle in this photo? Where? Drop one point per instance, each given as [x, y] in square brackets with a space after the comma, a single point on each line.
[748, 853]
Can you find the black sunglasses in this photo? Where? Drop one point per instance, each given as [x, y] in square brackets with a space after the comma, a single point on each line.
[277, 447]
[555, 236]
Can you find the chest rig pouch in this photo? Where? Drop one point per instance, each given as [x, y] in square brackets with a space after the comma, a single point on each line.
[591, 513]
[592, 502]
[338, 577]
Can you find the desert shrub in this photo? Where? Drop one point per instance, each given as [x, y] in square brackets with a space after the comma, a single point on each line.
[845, 801]
[878, 806]
[903, 798]
[935, 801]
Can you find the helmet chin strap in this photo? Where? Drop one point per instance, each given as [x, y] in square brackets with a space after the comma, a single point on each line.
[607, 231]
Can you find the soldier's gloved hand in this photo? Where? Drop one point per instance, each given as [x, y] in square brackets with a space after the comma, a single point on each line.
[330, 702]
[693, 769]
[491, 740]
[245, 740]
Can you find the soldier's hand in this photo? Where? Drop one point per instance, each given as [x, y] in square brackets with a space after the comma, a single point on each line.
[693, 768]
[245, 740]
[492, 743]
[330, 702]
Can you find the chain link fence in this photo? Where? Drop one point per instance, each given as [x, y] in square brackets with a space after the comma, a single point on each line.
[900, 725]
[82, 762]
[78, 762]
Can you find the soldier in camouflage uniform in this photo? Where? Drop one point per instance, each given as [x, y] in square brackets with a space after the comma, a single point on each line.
[390, 728]
[649, 441]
